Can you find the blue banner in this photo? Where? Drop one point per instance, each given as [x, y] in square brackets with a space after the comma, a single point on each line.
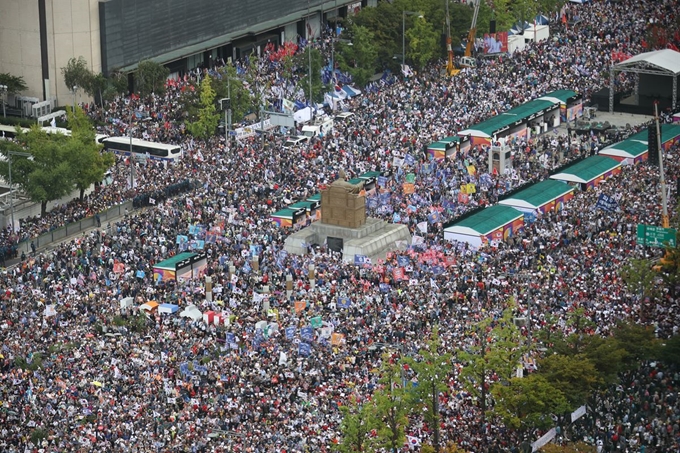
[344, 302]
[607, 203]
[290, 332]
[360, 260]
[307, 333]
[304, 349]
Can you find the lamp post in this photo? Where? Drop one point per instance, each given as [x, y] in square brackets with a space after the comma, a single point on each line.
[405, 13]
[75, 89]
[11, 192]
[3, 90]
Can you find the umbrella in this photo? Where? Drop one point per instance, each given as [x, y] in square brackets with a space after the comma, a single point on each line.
[96, 383]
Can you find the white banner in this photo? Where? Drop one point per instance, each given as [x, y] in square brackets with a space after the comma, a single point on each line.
[578, 413]
[248, 131]
[543, 440]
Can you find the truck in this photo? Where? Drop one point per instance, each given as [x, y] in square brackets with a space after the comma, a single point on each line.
[319, 128]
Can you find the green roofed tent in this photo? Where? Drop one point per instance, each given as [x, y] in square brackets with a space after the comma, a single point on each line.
[478, 228]
[538, 195]
[640, 136]
[669, 132]
[627, 152]
[589, 171]
[561, 96]
[370, 174]
[315, 197]
[504, 121]
[171, 263]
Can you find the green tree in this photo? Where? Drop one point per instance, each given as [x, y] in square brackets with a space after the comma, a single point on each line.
[232, 86]
[577, 447]
[97, 86]
[357, 423]
[119, 83]
[527, 403]
[88, 162]
[498, 349]
[14, 84]
[422, 43]
[77, 75]
[638, 341]
[360, 56]
[432, 368]
[208, 118]
[150, 78]
[392, 406]
[639, 277]
[669, 352]
[384, 21]
[317, 62]
[608, 356]
[575, 376]
[47, 176]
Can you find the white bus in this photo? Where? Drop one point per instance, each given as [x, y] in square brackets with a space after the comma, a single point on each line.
[142, 148]
[7, 132]
[99, 138]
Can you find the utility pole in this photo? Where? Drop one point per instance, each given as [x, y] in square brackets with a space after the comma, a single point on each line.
[309, 52]
[665, 221]
[3, 90]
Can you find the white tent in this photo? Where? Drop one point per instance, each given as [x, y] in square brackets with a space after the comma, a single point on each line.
[192, 312]
[126, 302]
[168, 308]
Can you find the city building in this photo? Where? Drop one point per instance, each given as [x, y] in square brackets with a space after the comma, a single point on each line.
[38, 37]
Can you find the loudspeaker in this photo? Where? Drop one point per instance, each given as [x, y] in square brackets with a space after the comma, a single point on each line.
[492, 26]
[652, 146]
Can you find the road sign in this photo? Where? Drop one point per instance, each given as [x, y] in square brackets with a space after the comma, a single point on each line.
[654, 236]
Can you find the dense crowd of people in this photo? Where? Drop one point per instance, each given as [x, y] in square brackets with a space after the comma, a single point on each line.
[79, 372]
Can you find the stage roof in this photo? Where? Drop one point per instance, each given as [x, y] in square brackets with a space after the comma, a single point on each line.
[538, 194]
[665, 60]
[587, 170]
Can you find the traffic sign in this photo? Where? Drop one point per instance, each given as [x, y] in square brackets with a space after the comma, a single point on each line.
[654, 236]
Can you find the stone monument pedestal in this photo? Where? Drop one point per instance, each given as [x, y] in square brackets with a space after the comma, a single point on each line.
[373, 239]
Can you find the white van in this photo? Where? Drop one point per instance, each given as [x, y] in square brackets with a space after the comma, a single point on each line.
[294, 141]
[319, 128]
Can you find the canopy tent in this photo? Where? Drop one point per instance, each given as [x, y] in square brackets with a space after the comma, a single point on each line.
[180, 267]
[664, 62]
[670, 135]
[541, 197]
[192, 312]
[168, 308]
[519, 28]
[315, 197]
[351, 91]
[312, 208]
[541, 20]
[288, 217]
[149, 306]
[512, 118]
[494, 223]
[571, 103]
[627, 152]
[589, 172]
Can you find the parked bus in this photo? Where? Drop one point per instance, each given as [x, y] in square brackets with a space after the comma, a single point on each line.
[7, 132]
[142, 148]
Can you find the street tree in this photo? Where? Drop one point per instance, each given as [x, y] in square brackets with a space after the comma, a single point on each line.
[230, 84]
[497, 350]
[384, 21]
[577, 447]
[77, 75]
[528, 403]
[88, 162]
[639, 342]
[317, 63]
[392, 406]
[639, 277]
[422, 43]
[119, 83]
[14, 84]
[575, 376]
[431, 366]
[150, 78]
[207, 117]
[357, 422]
[358, 57]
[97, 86]
[48, 175]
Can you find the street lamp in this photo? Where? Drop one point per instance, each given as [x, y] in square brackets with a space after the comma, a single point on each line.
[11, 192]
[403, 34]
[3, 90]
[75, 88]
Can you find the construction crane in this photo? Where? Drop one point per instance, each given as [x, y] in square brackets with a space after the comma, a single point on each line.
[467, 61]
[451, 70]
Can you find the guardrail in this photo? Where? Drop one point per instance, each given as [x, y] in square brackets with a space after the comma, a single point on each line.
[60, 234]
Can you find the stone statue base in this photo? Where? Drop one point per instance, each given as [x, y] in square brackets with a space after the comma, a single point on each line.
[373, 239]
[341, 207]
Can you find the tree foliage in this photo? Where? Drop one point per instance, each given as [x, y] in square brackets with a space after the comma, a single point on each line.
[422, 43]
[527, 403]
[392, 407]
[88, 162]
[432, 368]
[575, 376]
[357, 423]
[317, 63]
[150, 78]
[577, 447]
[76, 74]
[639, 277]
[207, 118]
[14, 84]
[360, 57]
